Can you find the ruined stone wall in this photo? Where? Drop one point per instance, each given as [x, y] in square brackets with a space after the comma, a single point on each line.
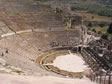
[85, 36]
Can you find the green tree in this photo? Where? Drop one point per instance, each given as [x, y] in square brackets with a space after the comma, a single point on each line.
[94, 30]
[105, 36]
[101, 25]
[109, 30]
[90, 24]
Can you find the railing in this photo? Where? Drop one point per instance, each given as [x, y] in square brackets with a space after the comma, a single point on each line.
[101, 79]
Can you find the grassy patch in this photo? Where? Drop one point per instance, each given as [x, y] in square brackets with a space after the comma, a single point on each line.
[97, 8]
[98, 28]
[17, 71]
[101, 30]
[89, 17]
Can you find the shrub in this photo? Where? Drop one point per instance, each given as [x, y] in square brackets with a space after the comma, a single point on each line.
[101, 25]
[99, 32]
[89, 28]
[92, 17]
[109, 30]
[90, 24]
[104, 36]
[94, 30]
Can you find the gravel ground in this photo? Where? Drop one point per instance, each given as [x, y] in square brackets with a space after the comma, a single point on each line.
[16, 79]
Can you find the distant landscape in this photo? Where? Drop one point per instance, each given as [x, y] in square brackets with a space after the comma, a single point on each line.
[97, 8]
[97, 15]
